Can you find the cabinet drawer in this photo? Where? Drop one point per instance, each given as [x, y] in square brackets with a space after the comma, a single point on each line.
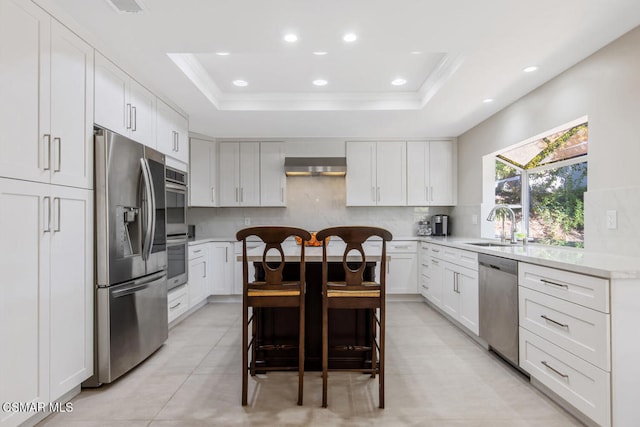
[468, 259]
[178, 302]
[588, 291]
[197, 251]
[402, 247]
[577, 329]
[583, 385]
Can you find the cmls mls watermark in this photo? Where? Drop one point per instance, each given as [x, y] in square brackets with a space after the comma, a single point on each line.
[37, 407]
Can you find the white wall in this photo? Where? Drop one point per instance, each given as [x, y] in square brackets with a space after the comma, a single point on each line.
[313, 203]
[606, 88]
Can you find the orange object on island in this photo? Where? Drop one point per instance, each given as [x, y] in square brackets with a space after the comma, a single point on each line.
[312, 242]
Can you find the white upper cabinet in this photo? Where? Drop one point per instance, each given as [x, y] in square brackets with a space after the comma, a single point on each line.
[431, 173]
[122, 104]
[143, 114]
[239, 174]
[376, 173]
[46, 107]
[172, 132]
[203, 173]
[273, 182]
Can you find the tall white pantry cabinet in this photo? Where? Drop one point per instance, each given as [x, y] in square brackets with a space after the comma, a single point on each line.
[46, 208]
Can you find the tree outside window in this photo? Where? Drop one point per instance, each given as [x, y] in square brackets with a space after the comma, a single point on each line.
[544, 182]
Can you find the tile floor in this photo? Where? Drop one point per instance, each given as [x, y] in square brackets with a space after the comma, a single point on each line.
[436, 376]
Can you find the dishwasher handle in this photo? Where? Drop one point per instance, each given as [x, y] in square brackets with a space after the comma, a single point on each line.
[498, 263]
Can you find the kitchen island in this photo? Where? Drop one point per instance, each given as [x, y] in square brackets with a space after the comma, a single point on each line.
[279, 326]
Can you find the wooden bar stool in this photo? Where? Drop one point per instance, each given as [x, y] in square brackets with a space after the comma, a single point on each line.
[355, 293]
[272, 292]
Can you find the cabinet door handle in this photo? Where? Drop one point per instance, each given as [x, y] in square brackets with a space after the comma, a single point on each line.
[562, 325]
[177, 141]
[544, 362]
[56, 218]
[241, 194]
[134, 119]
[549, 282]
[213, 194]
[57, 148]
[389, 265]
[226, 254]
[127, 118]
[204, 270]
[46, 152]
[198, 251]
[433, 261]
[282, 194]
[175, 306]
[378, 195]
[431, 188]
[46, 207]
[435, 250]
[237, 194]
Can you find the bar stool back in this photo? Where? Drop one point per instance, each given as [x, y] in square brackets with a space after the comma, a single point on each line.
[272, 292]
[355, 293]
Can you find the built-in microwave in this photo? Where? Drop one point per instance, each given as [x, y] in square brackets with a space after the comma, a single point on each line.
[176, 201]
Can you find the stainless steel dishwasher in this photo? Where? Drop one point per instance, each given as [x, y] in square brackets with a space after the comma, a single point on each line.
[499, 305]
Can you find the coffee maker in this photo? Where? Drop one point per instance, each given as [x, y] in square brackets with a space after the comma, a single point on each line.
[440, 225]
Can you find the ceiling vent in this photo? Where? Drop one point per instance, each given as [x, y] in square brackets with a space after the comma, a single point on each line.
[127, 6]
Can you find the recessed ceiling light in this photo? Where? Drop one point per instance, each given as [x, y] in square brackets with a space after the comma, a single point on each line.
[240, 83]
[399, 81]
[320, 82]
[350, 37]
[291, 38]
[530, 69]
[487, 100]
[320, 52]
[416, 52]
[222, 53]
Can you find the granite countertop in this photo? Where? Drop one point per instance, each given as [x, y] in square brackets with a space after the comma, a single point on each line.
[572, 259]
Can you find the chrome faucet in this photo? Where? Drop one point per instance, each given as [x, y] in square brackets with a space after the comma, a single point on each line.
[492, 216]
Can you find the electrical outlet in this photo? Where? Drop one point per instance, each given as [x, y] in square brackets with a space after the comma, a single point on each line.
[247, 221]
[612, 220]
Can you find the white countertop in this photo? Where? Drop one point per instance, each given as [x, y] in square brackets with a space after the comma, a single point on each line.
[572, 259]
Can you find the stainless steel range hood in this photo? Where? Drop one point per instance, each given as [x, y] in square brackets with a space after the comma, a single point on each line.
[314, 166]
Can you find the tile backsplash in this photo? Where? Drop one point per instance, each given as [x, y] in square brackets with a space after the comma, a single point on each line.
[313, 203]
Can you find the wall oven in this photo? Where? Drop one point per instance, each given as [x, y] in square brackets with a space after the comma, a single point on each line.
[176, 200]
[177, 262]
[176, 214]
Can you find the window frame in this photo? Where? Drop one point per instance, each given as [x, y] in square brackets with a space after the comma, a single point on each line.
[489, 232]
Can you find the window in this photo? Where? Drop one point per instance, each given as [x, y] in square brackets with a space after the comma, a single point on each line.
[543, 181]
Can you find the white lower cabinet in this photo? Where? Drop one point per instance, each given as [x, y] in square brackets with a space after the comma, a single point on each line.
[565, 337]
[460, 295]
[178, 302]
[222, 269]
[237, 270]
[46, 307]
[581, 384]
[402, 267]
[454, 284]
[199, 273]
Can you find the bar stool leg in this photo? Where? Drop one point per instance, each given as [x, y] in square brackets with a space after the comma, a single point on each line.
[245, 351]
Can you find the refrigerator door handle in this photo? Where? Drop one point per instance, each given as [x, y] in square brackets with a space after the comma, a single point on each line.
[149, 212]
[136, 285]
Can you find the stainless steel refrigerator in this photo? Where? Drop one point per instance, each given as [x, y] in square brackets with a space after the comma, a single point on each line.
[131, 254]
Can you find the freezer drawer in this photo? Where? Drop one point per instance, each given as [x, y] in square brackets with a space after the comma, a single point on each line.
[133, 324]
